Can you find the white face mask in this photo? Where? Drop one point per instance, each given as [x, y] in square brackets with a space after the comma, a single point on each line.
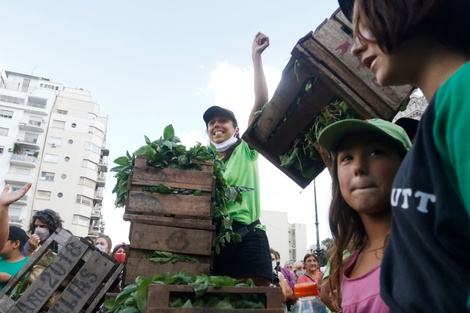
[300, 273]
[274, 264]
[100, 247]
[43, 233]
[223, 146]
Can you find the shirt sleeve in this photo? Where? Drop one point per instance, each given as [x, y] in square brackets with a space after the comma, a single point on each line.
[451, 133]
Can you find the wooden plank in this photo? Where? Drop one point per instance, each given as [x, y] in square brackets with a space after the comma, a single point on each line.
[292, 80]
[171, 239]
[83, 284]
[181, 205]
[159, 296]
[137, 266]
[173, 178]
[182, 222]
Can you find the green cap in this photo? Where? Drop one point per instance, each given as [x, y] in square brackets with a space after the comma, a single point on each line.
[332, 134]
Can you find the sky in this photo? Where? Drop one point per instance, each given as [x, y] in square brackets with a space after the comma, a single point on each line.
[149, 64]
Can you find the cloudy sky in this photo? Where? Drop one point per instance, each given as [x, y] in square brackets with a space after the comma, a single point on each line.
[149, 64]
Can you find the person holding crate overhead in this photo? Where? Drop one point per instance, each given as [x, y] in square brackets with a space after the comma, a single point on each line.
[249, 258]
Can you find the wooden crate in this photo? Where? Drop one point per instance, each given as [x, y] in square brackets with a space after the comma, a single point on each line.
[184, 206]
[193, 240]
[322, 61]
[159, 298]
[176, 223]
[91, 274]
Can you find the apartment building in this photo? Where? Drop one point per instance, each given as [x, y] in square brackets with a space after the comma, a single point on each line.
[53, 136]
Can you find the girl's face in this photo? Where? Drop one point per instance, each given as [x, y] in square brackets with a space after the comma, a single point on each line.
[367, 165]
[102, 242]
[311, 264]
[220, 129]
[395, 68]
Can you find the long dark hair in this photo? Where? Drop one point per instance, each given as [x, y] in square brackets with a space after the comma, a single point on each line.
[394, 21]
[348, 234]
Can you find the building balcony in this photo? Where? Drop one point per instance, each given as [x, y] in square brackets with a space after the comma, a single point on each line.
[15, 178]
[96, 211]
[16, 221]
[31, 125]
[103, 165]
[23, 160]
[104, 150]
[98, 196]
[22, 201]
[26, 143]
[100, 180]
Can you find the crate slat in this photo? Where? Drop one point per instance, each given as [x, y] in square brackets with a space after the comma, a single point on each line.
[171, 239]
[159, 298]
[177, 204]
[136, 266]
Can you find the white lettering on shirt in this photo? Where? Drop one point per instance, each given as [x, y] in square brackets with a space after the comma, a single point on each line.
[400, 195]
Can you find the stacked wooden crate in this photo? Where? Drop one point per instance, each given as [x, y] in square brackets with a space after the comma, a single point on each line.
[321, 69]
[77, 278]
[159, 298]
[178, 223]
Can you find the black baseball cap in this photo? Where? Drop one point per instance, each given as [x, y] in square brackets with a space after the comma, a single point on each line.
[216, 110]
[17, 233]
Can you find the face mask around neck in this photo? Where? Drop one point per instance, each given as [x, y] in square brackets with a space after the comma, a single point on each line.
[221, 147]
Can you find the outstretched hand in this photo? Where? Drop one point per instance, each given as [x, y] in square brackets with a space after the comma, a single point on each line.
[7, 198]
[260, 43]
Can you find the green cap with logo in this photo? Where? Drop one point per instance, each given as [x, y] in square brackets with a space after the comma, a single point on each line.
[332, 134]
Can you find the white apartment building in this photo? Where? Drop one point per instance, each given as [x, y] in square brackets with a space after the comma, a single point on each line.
[290, 240]
[54, 137]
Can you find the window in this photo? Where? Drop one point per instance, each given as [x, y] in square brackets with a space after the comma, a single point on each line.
[3, 131]
[90, 165]
[60, 195]
[31, 138]
[63, 112]
[36, 102]
[1, 150]
[43, 194]
[54, 140]
[10, 99]
[81, 220]
[84, 200]
[6, 114]
[74, 125]
[47, 86]
[51, 158]
[58, 124]
[91, 146]
[47, 176]
[87, 182]
[25, 86]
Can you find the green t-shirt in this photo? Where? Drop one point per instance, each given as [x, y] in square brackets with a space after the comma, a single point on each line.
[241, 169]
[11, 267]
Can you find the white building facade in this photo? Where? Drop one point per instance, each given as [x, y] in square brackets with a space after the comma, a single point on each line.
[54, 137]
[290, 240]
